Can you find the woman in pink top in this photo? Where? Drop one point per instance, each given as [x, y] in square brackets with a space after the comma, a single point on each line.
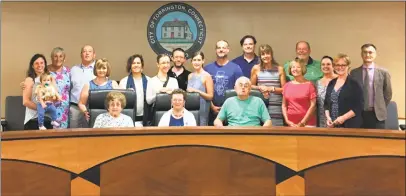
[299, 98]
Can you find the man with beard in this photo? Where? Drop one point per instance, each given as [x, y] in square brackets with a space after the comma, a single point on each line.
[303, 51]
[178, 71]
[248, 59]
[224, 74]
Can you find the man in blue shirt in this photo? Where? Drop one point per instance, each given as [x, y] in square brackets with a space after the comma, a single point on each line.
[248, 59]
[224, 74]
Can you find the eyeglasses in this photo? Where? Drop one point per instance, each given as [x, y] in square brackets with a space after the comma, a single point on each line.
[340, 65]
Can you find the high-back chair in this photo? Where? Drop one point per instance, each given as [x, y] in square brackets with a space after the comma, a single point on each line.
[97, 105]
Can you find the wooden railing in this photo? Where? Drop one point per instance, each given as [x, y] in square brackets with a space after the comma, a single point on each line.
[203, 161]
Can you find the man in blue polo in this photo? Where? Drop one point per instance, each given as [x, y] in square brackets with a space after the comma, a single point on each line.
[303, 51]
[224, 74]
[248, 59]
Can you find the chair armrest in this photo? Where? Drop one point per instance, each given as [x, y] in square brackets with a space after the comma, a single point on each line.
[3, 124]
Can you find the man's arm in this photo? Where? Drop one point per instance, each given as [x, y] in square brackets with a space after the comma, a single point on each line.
[218, 122]
[268, 123]
[387, 88]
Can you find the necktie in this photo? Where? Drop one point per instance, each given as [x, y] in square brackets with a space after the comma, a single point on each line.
[366, 89]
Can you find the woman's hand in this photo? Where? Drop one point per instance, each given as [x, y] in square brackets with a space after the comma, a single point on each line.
[340, 120]
[291, 124]
[263, 89]
[329, 123]
[192, 90]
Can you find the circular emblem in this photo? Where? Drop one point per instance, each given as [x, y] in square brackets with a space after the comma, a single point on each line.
[176, 25]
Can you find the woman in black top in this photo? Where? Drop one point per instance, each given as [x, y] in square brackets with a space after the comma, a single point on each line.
[344, 98]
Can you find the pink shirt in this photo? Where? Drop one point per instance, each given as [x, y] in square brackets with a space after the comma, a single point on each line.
[298, 97]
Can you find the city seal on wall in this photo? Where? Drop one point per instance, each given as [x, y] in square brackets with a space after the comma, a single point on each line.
[176, 25]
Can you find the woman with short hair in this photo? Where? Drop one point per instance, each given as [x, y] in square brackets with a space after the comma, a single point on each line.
[299, 97]
[115, 103]
[178, 115]
[344, 97]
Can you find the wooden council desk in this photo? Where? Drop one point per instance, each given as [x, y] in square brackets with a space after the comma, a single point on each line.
[186, 161]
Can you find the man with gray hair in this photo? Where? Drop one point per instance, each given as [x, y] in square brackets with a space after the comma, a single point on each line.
[80, 75]
[243, 109]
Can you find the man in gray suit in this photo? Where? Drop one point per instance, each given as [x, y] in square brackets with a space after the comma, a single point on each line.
[376, 84]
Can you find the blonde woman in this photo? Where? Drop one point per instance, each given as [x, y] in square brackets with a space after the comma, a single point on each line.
[102, 70]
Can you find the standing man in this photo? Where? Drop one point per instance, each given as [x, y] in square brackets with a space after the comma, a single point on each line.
[377, 88]
[248, 59]
[224, 74]
[303, 51]
[178, 71]
[80, 75]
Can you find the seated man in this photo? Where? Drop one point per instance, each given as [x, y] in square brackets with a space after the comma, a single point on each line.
[243, 109]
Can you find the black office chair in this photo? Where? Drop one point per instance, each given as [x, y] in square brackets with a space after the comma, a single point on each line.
[97, 103]
[392, 121]
[15, 112]
[163, 104]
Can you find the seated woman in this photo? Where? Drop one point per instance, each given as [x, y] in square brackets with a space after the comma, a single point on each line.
[102, 71]
[299, 97]
[344, 97]
[161, 83]
[178, 115]
[115, 103]
[138, 81]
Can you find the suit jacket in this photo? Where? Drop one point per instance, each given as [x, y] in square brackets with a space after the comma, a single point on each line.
[382, 89]
[350, 98]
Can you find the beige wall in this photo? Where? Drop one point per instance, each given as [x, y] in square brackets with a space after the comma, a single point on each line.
[118, 29]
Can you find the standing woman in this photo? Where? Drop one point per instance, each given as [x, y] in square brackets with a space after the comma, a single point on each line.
[161, 83]
[201, 82]
[36, 67]
[138, 81]
[344, 97]
[61, 74]
[269, 78]
[101, 70]
[299, 97]
[328, 75]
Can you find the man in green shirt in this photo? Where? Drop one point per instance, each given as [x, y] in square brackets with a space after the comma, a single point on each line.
[314, 72]
[243, 109]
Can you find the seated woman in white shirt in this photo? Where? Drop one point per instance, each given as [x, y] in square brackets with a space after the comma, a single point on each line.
[115, 103]
[138, 81]
[178, 115]
[161, 83]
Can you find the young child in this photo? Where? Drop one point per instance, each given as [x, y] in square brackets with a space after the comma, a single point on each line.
[47, 94]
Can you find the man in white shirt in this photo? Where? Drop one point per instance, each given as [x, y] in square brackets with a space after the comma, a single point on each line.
[80, 75]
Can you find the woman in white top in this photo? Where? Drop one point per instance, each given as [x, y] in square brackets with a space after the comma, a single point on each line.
[161, 83]
[115, 103]
[38, 65]
[138, 81]
[178, 115]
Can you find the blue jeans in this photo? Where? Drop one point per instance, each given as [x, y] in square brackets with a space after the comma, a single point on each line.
[41, 112]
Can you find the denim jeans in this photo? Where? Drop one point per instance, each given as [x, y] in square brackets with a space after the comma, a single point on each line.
[41, 112]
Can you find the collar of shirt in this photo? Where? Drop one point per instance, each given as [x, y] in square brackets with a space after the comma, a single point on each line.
[90, 66]
[372, 66]
[252, 60]
[309, 62]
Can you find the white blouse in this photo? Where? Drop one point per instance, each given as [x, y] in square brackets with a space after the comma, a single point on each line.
[105, 120]
[139, 90]
[155, 85]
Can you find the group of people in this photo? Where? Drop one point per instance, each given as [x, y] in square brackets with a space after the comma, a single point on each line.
[302, 92]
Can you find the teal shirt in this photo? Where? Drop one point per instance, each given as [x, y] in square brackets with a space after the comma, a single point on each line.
[313, 72]
[249, 112]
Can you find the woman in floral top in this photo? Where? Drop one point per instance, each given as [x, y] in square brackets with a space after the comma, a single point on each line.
[61, 74]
